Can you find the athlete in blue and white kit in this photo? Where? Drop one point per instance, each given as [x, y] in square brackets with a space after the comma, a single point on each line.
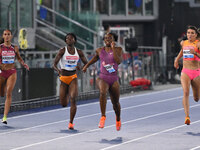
[68, 58]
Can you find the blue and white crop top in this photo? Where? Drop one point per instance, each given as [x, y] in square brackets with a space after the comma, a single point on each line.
[68, 61]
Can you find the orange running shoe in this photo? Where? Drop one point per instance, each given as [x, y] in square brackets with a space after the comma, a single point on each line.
[71, 126]
[102, 122]
[118, 125]
[187, 120]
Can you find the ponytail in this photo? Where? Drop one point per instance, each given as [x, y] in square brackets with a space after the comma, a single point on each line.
[198, 33]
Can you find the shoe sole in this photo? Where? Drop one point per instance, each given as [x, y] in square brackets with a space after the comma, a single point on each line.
[118, 129]
[101, 127]
[4, 122]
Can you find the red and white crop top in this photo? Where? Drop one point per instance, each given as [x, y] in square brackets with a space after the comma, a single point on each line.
[7, 54]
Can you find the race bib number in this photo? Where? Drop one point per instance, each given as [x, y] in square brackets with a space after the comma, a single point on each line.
[187, 54]
[8, 57]
[109, 68]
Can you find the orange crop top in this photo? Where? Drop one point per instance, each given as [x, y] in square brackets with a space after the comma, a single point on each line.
[187, 46]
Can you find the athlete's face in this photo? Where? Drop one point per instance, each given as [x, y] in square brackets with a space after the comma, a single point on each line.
[191, 35]
[108, 39]
[7, 36]
[70, 40]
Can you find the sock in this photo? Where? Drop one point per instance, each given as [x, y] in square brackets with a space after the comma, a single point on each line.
[4, 118]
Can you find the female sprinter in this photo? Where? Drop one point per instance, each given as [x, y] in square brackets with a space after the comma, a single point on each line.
[110, 57]
[190, 74]
[8, 75]
[69, 57]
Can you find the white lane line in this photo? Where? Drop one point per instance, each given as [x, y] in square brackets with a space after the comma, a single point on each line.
[150, 135]
[86, 116]
[130, 121]
[198, 147]
[93, 103]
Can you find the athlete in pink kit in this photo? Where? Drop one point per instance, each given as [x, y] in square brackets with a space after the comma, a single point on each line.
[110, 57]
[8, 76]
[190, 74]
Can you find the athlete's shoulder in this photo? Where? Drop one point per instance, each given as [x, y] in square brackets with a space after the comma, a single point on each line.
[181, 42]
[184, 42]
[1, 45]
[14, 46]
[100, 49]
[80, 52]
[62, 49]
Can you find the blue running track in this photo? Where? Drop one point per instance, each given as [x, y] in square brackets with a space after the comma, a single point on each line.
[153, 120]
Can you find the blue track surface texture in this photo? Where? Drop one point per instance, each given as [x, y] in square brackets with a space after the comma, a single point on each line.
[150, 121]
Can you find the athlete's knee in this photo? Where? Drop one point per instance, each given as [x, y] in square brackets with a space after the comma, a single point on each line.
[103, 94]
[73, 102]
[186, 94]
[116, 105]
[63, 103]
[9, 94]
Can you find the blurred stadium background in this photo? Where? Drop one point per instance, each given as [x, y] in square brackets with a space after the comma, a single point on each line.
[149, 32]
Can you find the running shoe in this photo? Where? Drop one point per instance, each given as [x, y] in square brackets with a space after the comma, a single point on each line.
[71, 126]
[102, 122]
[187, 120]
[4, 121]
[118, 125]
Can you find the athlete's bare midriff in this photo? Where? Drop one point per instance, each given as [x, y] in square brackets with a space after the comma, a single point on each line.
[193, 65]
[67, 73]
[7, 66]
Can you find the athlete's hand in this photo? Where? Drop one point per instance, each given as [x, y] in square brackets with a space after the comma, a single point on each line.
[26, 66]
[113, 45]
[78, 67]
[84, 68]
[176, 65]
[59, 72]
[192, 51]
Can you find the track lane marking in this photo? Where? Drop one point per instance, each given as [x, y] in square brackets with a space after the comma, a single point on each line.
[93, 103]
[91, 115]
[130, 121]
